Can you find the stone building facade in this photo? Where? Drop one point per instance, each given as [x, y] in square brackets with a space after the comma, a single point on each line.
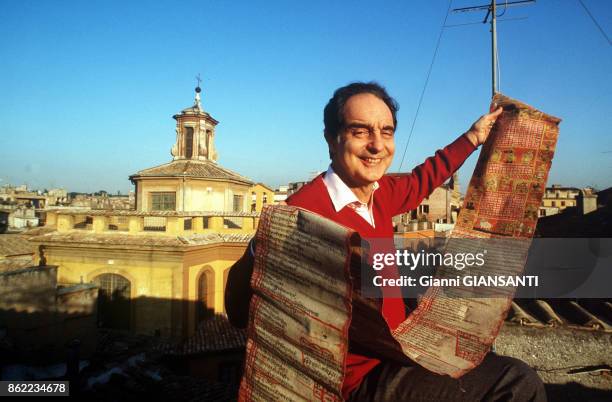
[557, 198]
[442, 206]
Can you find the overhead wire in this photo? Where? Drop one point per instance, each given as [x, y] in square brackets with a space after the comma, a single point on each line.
[595, 22]
[503, 12]
[433, 59]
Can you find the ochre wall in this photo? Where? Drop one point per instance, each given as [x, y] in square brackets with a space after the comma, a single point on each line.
[217, 260]
[200, 195]
[259, 191]
[558, 202]
[163, 280]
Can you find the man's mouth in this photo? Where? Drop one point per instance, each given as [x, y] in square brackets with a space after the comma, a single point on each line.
[371, 161]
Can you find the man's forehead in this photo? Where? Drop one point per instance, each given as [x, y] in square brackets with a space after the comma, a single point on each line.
[367, 108]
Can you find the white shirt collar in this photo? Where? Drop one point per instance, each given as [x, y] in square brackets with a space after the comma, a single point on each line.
[340, 194]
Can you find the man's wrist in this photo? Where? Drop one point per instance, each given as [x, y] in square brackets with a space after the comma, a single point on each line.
[472, 137]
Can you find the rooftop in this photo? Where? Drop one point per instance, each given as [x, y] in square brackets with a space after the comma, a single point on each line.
[201, 169]
[572, 223]
[213, 335]
[123, 239]
[15, 244]
[131, 212]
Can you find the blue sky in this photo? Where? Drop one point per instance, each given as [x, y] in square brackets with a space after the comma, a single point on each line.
[88, 89]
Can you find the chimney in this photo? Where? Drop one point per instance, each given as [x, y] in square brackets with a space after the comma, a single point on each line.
[586, 201]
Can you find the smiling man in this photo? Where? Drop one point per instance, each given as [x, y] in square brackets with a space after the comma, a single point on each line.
[363, 149]
[360, 123]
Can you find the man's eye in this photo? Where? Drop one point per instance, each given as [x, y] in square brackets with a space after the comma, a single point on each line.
[360, 132]
[388, 133]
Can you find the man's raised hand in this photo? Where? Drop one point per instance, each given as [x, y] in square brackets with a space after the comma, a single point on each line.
[478, 133]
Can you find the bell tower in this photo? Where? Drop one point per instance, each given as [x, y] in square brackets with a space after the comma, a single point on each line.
[195, 132]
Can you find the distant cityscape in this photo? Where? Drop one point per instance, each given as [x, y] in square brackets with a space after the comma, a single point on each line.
[22, 208]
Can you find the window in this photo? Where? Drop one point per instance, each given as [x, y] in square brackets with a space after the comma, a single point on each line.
[163, 201]
[237, 203]
[189, 142]
[542, 212]
[554, 204]
[562, 203]
[114, 297]
[83, 222]
[265, 198]
[154, 223]
[205, 306]
[118, 223]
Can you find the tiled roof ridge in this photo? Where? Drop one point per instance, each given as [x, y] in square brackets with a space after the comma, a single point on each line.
[131, 212]
[154, 167]
[88, 237]
[182, 167]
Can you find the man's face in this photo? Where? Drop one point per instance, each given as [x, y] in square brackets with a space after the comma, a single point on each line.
[365, 145]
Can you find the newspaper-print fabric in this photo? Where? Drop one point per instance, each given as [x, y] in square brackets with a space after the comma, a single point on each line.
[301, 309]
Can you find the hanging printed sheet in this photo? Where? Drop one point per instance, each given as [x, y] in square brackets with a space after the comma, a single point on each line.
[453, 328]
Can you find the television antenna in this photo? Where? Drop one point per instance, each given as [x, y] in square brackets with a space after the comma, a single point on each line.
[492, 11]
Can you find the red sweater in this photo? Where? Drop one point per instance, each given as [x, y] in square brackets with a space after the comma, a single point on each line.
[395, 195]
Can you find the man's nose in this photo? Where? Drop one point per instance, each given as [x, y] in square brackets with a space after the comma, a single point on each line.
[376, 143]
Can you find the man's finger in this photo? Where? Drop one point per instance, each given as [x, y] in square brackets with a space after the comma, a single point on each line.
[497, 111]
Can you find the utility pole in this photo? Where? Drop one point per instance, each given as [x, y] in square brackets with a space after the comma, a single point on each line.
[494, 60]
[492, 11]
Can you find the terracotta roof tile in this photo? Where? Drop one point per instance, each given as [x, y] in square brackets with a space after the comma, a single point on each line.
[14, 244]
[16, 263]
[131, 212]
[213, 335]
[89, 237]
[193, 168]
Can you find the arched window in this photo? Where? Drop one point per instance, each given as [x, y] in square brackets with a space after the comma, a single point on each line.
[206, 295]
[189, 142]
[114, 303]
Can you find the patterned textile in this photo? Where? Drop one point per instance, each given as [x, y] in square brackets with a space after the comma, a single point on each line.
[453, 327]
[507, 186]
